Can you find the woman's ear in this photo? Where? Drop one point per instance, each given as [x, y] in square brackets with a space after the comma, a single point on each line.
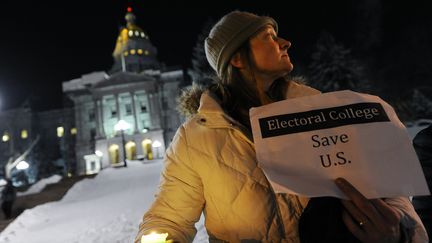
[237, 61]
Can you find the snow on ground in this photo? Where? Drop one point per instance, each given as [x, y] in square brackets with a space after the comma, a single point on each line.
[40, 185]
[106, 208]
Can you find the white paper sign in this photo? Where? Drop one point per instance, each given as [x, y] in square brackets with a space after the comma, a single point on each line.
[303, 144]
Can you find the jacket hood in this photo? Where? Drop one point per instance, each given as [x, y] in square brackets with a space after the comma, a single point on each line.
[189, 99]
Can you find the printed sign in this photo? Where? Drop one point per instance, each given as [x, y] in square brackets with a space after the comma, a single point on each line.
[303, 144]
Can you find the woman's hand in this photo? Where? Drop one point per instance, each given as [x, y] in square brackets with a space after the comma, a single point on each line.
[369, 220]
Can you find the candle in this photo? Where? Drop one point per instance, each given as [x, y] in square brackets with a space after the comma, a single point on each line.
[154, 238]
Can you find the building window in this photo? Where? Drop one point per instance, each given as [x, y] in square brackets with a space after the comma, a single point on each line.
[60, 132]
[113, 111]
[73, 131]
[24, 134]
[92, 134]
[5, 137]
[128, 109]
[143, 107]
[91, 115]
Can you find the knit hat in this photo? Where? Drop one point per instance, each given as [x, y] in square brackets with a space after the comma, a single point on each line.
[229, 34]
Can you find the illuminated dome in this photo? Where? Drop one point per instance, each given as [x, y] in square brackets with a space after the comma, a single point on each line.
[133, 51]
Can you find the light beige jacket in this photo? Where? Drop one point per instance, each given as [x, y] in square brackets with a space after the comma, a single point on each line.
[211, 166]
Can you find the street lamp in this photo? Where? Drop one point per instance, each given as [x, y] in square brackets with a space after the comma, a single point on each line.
[121, 126]
[22, 165]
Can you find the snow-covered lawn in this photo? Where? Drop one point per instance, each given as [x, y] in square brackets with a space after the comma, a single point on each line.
[105, 209]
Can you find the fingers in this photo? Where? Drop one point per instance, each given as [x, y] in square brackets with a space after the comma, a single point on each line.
[388, 212]
[360, 202]
[353, 227]
[360, 218]
[379, 221]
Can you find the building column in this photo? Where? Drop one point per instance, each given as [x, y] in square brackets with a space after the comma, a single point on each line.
[154, 110]
[100, 114]
[96, 113]
[135, 115]
[117, 106]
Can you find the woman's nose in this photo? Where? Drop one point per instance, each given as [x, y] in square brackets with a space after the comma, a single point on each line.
[284, 44]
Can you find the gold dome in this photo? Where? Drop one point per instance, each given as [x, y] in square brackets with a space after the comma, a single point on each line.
[130, 32]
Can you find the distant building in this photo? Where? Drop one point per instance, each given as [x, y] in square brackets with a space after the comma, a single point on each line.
[137, 90]
[51, 153]
[81, 138]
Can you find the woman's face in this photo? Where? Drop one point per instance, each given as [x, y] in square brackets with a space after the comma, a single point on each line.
[270, 54]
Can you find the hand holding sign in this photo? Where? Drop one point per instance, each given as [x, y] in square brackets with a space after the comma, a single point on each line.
[369, 220]
[303, 144]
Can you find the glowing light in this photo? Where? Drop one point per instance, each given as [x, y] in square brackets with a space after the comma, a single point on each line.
[146, 52]
[5, 137]
[22, 165]
[145, 130]
[24, 134]
[130, 33]
[99, 153]
[73, 131]
[136, 33]
[60, 132]
[156, 144]
[129, 9]
[132, 52]
[121, 125]
[142, 34]
[154, 238]
[3, 182]
[140, 51]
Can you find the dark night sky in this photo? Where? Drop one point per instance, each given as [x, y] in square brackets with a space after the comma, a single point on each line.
[44, 43]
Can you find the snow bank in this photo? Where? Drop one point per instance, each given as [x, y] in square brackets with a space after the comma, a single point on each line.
[40, 185]
[107, 208]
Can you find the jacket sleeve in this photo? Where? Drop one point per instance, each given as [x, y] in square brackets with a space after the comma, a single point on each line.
[412, 228]
[180, 200]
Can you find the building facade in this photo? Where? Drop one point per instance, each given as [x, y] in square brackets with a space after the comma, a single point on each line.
[39, 139]
[138, 92]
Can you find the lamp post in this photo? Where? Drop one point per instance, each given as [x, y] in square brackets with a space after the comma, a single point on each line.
[121, 126]
[21, 167]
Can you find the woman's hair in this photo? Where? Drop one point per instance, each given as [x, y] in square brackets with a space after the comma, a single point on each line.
[238, 95]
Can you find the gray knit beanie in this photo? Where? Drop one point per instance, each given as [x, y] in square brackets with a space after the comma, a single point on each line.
[229, 34]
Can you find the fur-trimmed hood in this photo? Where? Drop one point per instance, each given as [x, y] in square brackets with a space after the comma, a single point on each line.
[189, 99]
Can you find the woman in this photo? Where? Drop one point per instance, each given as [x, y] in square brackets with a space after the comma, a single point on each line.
[211, 165]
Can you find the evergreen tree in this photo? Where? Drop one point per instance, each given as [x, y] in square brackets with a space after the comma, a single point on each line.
[201, 69]
[333, 68]
[420, 105]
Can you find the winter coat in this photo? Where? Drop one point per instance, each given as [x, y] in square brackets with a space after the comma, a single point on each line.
[211, 167]
[423, 146]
